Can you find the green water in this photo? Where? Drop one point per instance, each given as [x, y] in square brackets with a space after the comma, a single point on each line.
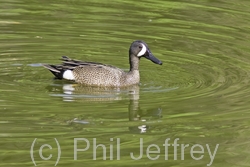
[199, 95]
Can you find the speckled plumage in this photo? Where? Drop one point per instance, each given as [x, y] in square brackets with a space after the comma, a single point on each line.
[102, 75]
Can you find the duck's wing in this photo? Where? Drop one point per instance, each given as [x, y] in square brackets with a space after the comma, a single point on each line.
[72, 63]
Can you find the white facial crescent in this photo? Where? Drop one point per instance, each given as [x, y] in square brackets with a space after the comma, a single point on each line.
[143, 50]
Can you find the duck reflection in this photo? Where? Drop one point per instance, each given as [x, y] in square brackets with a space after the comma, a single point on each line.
[72, 92]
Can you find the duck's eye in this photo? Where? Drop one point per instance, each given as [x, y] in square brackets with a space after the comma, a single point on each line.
[140, 46]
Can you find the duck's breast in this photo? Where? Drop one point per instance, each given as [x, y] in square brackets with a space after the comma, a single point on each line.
[130, 78]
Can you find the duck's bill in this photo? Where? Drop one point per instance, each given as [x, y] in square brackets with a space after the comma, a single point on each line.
[151, 57]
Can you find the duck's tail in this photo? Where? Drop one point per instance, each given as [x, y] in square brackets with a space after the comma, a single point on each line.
[57, 70]
[60, 72]
[64, 71]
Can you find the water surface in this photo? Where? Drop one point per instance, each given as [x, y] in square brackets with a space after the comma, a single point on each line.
[199, 95]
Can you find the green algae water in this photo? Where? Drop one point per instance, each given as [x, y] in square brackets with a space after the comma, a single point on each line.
[191, 111]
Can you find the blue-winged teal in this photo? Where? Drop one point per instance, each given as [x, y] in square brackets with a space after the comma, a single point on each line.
[97, 74]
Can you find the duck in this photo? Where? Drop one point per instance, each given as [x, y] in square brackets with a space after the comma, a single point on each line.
[103, 75]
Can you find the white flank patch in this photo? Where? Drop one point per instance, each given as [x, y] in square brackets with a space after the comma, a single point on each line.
[68, 74]
[143, 50]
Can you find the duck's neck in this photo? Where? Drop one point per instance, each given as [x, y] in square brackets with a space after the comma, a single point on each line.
[134, 62]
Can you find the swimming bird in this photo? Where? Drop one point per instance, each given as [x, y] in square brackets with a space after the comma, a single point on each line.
[102, 75]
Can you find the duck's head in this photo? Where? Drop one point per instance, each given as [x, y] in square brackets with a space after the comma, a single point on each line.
[140, 49]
